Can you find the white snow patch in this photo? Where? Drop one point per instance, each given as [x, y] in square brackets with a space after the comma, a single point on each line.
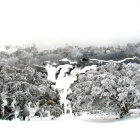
[63, 83]
[87, 68]
[64, 59]
[51, 72]
[134, 112]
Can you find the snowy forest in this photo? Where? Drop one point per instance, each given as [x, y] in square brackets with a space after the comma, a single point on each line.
[69, 81]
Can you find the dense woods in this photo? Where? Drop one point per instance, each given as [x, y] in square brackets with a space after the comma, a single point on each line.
[113, 87]
[107, 89]
[24, 86]
[31, 55]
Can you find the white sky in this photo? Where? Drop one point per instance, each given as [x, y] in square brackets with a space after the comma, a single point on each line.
[51, 23]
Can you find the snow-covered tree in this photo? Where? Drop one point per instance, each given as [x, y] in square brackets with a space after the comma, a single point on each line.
[106, 89]
[24, 86]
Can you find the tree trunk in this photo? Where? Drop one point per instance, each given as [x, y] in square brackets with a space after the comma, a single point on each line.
[124, 111]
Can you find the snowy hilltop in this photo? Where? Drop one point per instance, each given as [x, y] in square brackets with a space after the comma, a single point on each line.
[69, 82]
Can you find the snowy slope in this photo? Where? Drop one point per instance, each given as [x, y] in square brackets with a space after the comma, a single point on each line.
[78, 128]
[64, 80]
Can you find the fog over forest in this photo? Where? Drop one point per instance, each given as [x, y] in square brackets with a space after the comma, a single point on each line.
[53, 23]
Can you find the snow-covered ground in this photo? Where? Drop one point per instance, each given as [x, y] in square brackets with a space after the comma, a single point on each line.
[79, 128]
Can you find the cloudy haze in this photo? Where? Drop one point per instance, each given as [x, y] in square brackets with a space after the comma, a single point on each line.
[54, 23]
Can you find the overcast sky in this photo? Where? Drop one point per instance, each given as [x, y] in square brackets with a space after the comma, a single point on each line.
[53, 23]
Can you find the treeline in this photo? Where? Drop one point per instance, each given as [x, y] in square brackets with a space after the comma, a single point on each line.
[30, 55]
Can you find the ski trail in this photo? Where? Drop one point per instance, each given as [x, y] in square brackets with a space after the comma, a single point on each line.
[64, 81]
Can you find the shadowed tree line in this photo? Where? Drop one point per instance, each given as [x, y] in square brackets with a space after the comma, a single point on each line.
[30, 56]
